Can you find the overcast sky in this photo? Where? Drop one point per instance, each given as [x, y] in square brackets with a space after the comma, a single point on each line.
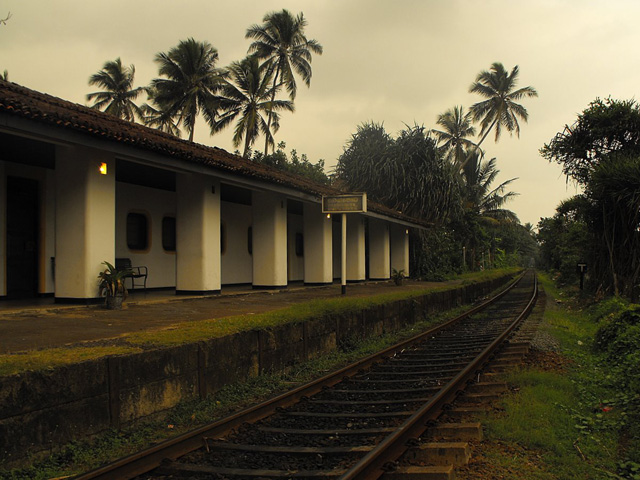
[392, 61]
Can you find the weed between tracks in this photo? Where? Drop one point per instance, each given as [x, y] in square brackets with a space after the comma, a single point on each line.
[572, 414]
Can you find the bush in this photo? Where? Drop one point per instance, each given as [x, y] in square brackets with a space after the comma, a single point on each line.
[620, 334]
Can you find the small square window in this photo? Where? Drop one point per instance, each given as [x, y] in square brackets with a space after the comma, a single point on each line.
[169, 234]
[137, 231]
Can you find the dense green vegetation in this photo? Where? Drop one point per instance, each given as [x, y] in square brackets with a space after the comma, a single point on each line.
[442, 177]
[601, 153]
[581, 418]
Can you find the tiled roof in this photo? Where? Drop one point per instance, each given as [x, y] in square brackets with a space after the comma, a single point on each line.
[39, 107]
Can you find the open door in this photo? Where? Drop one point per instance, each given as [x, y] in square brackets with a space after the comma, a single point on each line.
[22, 237]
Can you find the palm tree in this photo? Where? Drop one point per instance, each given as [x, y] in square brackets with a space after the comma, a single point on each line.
[157, 118]
[500, 109]
[247, 94]
[281, 42]
[479, 195]
[190, 84]
[453, 137]
[118, 97]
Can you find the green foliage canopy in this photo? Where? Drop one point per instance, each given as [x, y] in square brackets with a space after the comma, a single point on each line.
[407, 173]
[605, 127]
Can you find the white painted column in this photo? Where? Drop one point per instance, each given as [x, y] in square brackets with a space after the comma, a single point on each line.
[3, 230]
[356, 268]
[85, 221]
[400, 248]
[379, 250]
[197, 234]
[318, 248]
[269, 240]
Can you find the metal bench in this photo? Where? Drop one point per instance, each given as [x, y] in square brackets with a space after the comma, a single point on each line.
[136, 272]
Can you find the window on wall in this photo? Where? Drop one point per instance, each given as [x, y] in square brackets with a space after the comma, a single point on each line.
[250, 240]
[169, 234]
[137, 231]
[299, 245]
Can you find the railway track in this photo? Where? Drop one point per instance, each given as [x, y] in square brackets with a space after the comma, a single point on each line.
[351, 424]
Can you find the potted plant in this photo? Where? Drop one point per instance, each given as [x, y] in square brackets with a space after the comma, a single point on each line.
[398, 276]
[111, 282]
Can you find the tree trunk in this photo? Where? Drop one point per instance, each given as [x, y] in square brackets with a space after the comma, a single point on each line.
[273, 98]
[479, 143]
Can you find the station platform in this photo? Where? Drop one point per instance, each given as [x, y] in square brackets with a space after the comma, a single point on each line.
[40, 323]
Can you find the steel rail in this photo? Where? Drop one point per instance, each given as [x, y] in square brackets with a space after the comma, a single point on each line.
[375, 463]
[152, 457]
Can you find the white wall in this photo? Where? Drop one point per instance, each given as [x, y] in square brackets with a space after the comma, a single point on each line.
[155, 204]
[295, 264]
[198, 234]
[85, 220]
[379, 249]
[269, 212]
[399, 248]
[237, 263]
[318, 258]
[356, 268]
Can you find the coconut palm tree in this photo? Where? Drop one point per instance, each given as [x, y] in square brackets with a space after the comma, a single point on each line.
[281, 42]
[456, 127]
[500, 109]
[479, 194]
[190, 83]
[118, 97]
[157, 118]
[247, 95]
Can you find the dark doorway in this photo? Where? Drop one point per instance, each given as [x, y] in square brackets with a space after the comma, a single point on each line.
[22, 237]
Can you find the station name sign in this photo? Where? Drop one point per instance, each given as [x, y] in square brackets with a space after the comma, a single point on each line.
[351, 203]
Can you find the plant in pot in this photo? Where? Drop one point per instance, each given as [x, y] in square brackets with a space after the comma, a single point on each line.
[398, 276]
[111, 282]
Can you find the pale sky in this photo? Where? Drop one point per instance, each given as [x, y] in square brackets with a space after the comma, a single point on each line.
[392, 61]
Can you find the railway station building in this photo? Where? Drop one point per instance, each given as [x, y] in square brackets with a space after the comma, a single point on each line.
[79, 187]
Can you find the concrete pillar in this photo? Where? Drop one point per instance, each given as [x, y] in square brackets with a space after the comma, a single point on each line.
[3, 230]
[269, 240]
[356, 268]
[379, 250]
[85, 221]
[197, 234]
[318, 251]
[400, 248]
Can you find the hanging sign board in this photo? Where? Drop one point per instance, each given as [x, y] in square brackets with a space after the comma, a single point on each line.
[352, 203]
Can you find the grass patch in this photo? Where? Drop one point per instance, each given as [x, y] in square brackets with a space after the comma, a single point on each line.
[51, 358]
[564, 418]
